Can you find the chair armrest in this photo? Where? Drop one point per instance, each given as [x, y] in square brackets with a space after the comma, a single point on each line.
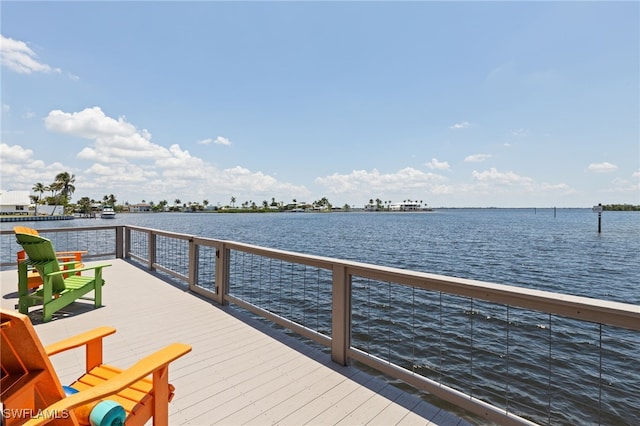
[72, 255]
[92, 340]
[79, 340]
[86, 268]
[71, 262]
[126, 378]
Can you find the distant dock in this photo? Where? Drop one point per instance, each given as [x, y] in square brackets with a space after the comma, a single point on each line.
[29, 218]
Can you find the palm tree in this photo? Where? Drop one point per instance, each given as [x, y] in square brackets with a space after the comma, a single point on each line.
[233, 202]
[47, 189]
[53, 187]
[38, 188]
[85, 205]
[65, 182]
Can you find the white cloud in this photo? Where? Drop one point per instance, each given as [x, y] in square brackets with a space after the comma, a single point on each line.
[115, 140]
[507, 178]
[510, 184]
[124, 160]
[20, 171]
[218, 141]
[222, 141]
[14, 153]
[18, 56]
[622, 185]
[462, 125]
[90, 123]
[604, 167]
[404, 181]
[485, 186]
[477, 158]
[520, 132]
[238, 178]
[438, 165]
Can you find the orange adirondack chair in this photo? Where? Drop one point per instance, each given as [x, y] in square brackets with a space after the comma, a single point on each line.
[70, 259]
[31, 392]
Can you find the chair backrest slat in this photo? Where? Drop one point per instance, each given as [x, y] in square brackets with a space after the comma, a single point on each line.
[24, 359]
[40, 251]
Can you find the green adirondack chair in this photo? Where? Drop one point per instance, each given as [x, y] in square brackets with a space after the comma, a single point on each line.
[59, 287]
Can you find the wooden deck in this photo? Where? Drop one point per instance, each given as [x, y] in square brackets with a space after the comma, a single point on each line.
[239, 372]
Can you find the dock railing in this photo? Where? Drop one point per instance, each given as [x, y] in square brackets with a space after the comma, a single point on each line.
[509, 354]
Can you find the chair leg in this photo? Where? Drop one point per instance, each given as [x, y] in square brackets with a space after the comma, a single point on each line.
[161, 396]
[98, 290]
[47, 313]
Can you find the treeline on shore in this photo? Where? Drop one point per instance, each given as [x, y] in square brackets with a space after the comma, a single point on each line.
[621, 207]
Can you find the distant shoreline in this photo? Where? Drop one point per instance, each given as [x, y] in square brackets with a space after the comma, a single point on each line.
[42, 218]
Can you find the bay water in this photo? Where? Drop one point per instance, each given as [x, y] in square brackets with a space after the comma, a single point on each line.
[555, 250]
[546, 249]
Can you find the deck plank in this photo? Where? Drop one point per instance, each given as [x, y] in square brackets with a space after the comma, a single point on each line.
[239, 372]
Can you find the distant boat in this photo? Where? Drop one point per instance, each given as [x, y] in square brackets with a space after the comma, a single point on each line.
[108, 213]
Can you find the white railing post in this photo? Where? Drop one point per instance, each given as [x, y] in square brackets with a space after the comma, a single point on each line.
[341, 315]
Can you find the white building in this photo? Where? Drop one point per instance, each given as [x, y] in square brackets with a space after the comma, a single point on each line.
[14, 202]
[405, 207]
[140, 208]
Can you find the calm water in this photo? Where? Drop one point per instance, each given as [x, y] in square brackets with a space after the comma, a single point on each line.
[522, 247]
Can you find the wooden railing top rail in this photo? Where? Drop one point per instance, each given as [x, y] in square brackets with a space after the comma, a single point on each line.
[582, 308]
[576, 307]
[74, 229]
[169, 234]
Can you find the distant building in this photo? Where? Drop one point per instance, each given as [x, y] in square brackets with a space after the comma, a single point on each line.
[372, 207]
[140, 208]
[405, 207]
[14, 202]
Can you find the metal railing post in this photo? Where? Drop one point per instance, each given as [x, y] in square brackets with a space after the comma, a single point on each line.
[193, 263]
[119, 242]
[127, 242]
[222, 273]
[341, 315]
[152, 250]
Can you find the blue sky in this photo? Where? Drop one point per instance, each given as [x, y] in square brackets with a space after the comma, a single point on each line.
[507, 104]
